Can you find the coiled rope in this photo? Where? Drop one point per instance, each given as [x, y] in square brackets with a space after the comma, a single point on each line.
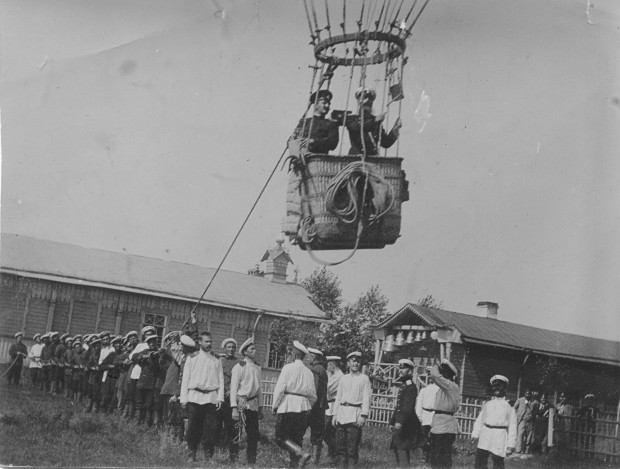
[342, 197]
[240, 424]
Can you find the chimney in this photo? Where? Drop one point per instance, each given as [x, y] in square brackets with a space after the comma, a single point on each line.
[256, 272]
[487, 309]
[277, 260]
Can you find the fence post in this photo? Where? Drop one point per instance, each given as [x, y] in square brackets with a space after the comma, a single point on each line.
[550, 435]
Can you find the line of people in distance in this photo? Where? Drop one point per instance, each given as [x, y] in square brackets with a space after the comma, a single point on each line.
[320, 134]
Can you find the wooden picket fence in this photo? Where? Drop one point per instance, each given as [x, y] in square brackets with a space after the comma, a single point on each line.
[602, 444]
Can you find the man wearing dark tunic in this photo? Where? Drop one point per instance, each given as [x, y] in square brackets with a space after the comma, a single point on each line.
[366, 124]
[317, 134]
[17, 353]
[404, 423]
[316, 418]
[225, 426]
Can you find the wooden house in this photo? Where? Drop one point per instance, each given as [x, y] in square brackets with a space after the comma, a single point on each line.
[483, 345]
[51, 286]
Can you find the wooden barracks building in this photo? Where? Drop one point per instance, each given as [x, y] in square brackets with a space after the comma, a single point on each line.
[51, 286]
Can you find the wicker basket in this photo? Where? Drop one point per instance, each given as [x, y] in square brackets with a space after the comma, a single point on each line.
[306, 198]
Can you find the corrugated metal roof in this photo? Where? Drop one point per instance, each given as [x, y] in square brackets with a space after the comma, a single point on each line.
[500, 333]
[75, 264]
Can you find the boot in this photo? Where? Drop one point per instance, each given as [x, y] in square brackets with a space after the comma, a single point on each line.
[142, 414]
[316, 454]
[296, 451]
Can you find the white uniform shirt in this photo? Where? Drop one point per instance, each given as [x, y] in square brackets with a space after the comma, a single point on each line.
[496, 413]
[353, 389]
[137, 369]
[426, 403]
[202, 372]
[105, 351]
[245, 381]
[294, 391]
[332, 389]
[447, 400]
[35, 356]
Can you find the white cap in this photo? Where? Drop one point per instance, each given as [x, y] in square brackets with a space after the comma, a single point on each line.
[333, 358]
[19, 334]
[301, 347]
[230, 339]
[130, 333]
[354, 354]
[315, 351]
[246, 344]
[187, 341]
[499, 378]
[146, 329]
[151, 337]
[406, 361]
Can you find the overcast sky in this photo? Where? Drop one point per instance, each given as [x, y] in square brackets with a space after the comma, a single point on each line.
[149, 127]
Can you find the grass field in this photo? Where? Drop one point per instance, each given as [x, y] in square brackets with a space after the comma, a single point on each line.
[37, 429]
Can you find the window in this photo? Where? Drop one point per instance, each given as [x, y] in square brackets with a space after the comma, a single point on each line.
[158, 321]
[276, 360]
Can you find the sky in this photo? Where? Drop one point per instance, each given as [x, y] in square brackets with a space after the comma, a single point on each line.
[149, 127]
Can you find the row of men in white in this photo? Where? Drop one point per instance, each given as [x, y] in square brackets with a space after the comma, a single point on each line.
[295, 393]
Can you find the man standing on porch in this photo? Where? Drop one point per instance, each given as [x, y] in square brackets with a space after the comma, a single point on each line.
[444, 427]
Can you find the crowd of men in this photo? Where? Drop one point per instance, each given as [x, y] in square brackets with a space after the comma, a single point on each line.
[206, 399]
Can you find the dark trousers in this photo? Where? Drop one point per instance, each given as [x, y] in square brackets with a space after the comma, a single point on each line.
[225, 428]
[253, 434]
[441, 449]
[291, 426]
[426, 448]
[130, 396]
[348, 439]
[145, 399]
[482, 456]
[330, 436]
[45, 377]
[201, 427]
[15, 373]
[108, 393]
[316, 422]
[35, 376]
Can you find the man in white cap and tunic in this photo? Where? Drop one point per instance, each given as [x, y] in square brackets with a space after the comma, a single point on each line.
[35, 360]
[495, 429]
[351, 409]
[334, 375]
[202, 394]
[444, 427]
[293, 398]
[245, 399]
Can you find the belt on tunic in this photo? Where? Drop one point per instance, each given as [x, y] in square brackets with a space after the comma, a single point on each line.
[204, 391]
[331, 400]
[348, 404]
[443, 412]
[250, 398]
[501, 427]
[295, 394]
[428, 410]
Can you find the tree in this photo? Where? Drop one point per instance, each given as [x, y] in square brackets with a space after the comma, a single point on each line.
[324, 288]
[429, 301]
[352, 326]
[282, 332]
